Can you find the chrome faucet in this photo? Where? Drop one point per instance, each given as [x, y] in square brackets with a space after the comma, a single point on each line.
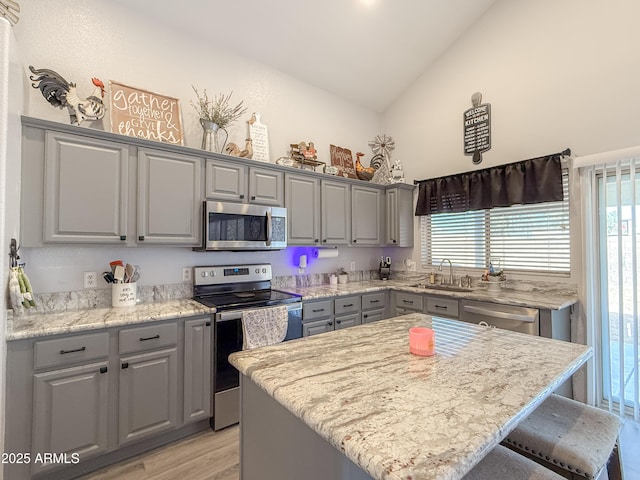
[450, 269]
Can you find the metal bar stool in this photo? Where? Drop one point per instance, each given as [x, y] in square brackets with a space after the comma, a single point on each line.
[573, 439]
[504, 464]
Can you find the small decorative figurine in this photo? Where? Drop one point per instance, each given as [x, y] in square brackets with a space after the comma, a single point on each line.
[382, 145]
[397, 174]
[60, 93]
[368, 172]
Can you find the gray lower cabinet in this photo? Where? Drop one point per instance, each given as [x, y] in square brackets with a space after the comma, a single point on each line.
[317, 326]
[374, 306]
[319, 316]
[441, 307]
[366, 215]
[85, 190]
[406, 302]
[345, 321]
[106, 394]
[197, 369]
[70, 411]
[169, 198]
[302, 199]
[399, 216]
[148, 400]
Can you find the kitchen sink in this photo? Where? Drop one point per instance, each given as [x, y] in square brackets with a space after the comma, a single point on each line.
[449, 288]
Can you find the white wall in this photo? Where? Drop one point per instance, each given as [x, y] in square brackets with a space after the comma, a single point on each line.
[81, 40]
[557, 74]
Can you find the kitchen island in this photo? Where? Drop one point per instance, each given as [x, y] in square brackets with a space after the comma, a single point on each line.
[355, 404]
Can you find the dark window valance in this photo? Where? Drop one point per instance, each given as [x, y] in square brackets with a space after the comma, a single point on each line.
[535, 180]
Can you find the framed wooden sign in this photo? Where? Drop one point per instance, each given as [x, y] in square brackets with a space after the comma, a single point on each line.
[343, 160]
[142, 114]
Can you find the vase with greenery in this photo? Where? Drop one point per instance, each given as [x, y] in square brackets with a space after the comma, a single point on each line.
[215, 114]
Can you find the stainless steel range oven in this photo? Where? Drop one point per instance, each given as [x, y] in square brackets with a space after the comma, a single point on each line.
[232, 289]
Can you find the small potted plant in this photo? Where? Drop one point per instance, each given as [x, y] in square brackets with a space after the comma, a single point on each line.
[215, 114]
[343, 276]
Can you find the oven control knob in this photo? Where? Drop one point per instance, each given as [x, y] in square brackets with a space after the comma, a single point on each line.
[264, 270]
[205, 274]
[212, 273]
[257, 270]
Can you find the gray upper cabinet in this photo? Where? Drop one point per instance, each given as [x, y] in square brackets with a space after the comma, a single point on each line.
[336, 213]
[302, 199]
[169, 198]
[399, 216]
[85, 189]
[226, 181]
[366, 215]
[70, 412]
[266, 187]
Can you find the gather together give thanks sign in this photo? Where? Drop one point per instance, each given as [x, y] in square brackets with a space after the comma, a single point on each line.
[141, 114]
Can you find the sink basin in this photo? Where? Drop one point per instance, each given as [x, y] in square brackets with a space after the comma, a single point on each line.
[449, 288]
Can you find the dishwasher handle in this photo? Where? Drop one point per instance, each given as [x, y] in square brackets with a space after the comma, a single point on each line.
[496, 314]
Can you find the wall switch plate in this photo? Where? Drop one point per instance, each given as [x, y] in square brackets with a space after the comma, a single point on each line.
[186, 274]
[353, 266]
[90, 279]
[412, 266]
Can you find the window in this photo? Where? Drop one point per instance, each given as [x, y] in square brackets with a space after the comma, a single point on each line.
[526, 238]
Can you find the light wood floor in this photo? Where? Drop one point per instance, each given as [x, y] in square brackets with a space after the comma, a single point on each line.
[205, 456]
[215, 456]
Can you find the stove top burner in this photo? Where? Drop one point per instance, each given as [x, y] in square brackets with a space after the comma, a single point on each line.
[255, 299]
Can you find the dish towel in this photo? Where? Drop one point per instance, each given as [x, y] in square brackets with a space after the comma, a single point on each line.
[264, 326]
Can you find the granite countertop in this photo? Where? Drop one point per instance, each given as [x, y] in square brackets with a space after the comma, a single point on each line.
[40, 325]
[400, 416]
[552, 296]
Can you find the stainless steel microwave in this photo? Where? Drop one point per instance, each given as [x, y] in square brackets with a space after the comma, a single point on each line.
[242, 226]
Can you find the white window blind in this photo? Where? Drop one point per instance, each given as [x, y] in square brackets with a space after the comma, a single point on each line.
[527, 238]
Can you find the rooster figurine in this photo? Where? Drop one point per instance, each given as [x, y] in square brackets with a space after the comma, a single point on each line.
[366, 173]
[60, 93]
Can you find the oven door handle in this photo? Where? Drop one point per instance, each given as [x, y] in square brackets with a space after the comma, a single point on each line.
[228, 316]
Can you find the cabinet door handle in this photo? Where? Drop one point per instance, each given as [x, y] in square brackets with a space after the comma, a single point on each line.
[125, 365]
[81, 349]
[338, 322]
[408, 301]
[208, 324]
[104, 370]
[394, 241]
[374, 301]
[348, 305]
[355, 240]
[329, 323]
[366, 316]
[253, 197]
[443, 307]
[316, 310]
[324, 241]
[144, 339]
[123, 238]
[241, 196]
[316, 240]
[141, 238]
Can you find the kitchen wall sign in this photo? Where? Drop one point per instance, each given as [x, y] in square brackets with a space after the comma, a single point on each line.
[142, 114]
[259, 135]
[477, 128]
[343, 160]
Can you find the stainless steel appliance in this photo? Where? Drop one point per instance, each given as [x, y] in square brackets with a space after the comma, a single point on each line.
[243, 226]
[232, 289]
[508, 317]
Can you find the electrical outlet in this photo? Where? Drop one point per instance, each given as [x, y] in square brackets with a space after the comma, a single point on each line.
[353, 266]
[412, 266]
[90, 279]
[186, 274]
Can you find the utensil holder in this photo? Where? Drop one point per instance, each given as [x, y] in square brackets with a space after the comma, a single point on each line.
[123, 294]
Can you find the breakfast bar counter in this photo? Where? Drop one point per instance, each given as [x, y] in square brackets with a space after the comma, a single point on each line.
[355, 404]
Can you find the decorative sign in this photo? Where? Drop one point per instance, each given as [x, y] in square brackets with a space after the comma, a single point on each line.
[141, 114]
[342, 159]
[259, 136]
[477, 128]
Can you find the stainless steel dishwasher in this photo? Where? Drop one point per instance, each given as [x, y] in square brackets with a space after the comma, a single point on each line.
[509, 317]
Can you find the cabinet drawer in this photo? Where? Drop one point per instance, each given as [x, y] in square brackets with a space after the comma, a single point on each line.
[373, 300]
[347, 304]
[146, 338]
[317, 310]
[411, 301]
[442, 306]
[63, 351]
